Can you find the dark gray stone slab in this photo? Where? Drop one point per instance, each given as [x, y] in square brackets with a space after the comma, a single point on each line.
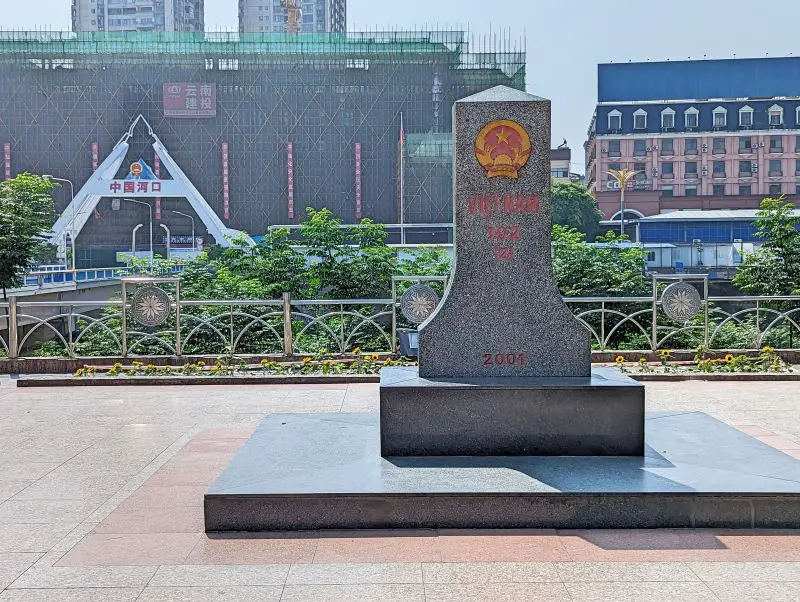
[324, 471]
[502, 314]
[600, 415]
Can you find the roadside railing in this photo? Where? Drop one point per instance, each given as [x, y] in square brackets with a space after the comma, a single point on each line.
[289, 327]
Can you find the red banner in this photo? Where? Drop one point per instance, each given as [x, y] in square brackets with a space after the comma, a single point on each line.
[95, 156]
[190, 100]
[358, 180]
[290, 173]
[157, 172]
[226, 191]
[7, 159]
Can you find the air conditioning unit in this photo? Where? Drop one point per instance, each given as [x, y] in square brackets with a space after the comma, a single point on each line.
[754, 167]
[705, 170]
[604, 151]
[705, 148]
[655, 171]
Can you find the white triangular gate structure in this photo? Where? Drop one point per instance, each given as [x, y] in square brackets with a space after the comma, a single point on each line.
[102, 183]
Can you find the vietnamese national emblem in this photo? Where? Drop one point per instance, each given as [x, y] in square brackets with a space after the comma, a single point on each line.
[503, 148]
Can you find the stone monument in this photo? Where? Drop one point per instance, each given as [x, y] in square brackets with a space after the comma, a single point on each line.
[504, 366]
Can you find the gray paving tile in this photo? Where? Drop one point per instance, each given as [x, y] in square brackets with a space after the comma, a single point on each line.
[341, 574]
[353, 593]
[490, 572]
[640, 592]
[85, 577]
[219, 576]
[496, 592]
[32, 537]
[763, 592]
[746, 571]
[212, 594]
[624, 571]
[13, 564]
[46, 511]
[70, 595]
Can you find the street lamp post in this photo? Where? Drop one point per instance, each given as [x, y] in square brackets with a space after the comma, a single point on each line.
[150, 209]
[133, 239]
[168, 237]
[623, 177]
[72, 217]
[194, 241]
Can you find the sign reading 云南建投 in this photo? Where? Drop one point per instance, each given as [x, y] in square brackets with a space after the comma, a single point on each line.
[190, 100]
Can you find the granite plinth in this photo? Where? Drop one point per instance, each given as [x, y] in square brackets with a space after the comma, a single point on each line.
[602, 415]
[324, 471]
[502, 314]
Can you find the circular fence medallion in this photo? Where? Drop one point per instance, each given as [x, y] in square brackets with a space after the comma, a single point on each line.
[418, 302]
[150, 306]
[681, 301]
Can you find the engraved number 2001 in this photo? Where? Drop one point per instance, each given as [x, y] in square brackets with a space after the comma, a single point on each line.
[504, 359]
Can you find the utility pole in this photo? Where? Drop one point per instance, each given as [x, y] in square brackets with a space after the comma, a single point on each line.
[623, 177]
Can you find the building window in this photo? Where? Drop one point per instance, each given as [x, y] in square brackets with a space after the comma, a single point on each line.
[668, 170]
[775, 168]
[667, 119]
[718, 147]
[690, 171]
[614, 148]
[745, 145]
[615, 121]
[668, 146]
[719, 169]
[775, 115]
[639, 148]
[745, 190]
[797, 167]
[775, 190]
[776, 144]
[746, 117]
[690, 118]
[651, 256]
[690, 146]
[797, 144]
[666, 191]
[640, 120]
[797, 188]
[745, 169]
[615, 167]
[642, 169]
[718, 190]
[720, 117]
[691, 191]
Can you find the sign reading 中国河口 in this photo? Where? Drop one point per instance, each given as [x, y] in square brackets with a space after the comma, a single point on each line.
[186, 100]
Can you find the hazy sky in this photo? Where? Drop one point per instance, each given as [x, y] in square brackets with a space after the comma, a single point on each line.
[566, 39]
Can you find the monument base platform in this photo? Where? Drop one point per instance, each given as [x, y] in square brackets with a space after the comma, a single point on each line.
[598, 416]
[324, 471]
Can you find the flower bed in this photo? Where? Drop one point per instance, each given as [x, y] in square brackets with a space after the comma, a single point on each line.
[767, 361]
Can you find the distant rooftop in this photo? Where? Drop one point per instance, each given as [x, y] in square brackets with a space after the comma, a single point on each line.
[713, 215]
[699, 79]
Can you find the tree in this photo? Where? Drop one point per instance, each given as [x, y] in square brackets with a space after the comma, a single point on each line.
[26, 216]
[574, 207]
[605, 269]
[774, 269]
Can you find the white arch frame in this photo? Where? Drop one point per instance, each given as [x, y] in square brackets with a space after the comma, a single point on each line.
[776, 108]
[720, 111]
[742, 111]
[691, 111]
[670, 112]
[638, 214]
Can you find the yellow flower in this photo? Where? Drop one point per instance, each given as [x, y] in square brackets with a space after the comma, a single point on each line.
[729, 358]
[326, 363]
[357, 350]
[375, 357]
[642, 360]
[665, 353]
[768, 349]
[307, 360]
[620, 359]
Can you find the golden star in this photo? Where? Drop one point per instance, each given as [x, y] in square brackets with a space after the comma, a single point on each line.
[502, 136]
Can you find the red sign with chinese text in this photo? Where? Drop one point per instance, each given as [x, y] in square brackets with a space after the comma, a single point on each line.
[290, 173]
[157, 172]
[226, 191]
[7, 159]
[190, 100]
[358, 180]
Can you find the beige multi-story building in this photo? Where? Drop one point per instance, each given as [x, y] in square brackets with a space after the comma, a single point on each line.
[257, 16]
[137, 15]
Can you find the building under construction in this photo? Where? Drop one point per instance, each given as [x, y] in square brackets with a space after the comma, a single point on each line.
[257, 126]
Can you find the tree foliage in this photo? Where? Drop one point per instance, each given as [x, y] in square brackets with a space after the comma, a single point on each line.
[26, 216]
[773, 269]
[574, 207]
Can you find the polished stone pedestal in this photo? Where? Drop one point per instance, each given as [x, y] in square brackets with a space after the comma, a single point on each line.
[598, 416]
[325, 471]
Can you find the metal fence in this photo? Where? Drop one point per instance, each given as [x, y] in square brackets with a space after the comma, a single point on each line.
[290, 327]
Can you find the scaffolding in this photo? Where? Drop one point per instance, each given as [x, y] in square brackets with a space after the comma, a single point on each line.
[66, 97]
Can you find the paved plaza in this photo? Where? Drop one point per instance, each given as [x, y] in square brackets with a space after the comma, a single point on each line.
[101, 493]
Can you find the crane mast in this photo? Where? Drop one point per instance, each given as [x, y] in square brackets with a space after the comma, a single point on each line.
[294, 15]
